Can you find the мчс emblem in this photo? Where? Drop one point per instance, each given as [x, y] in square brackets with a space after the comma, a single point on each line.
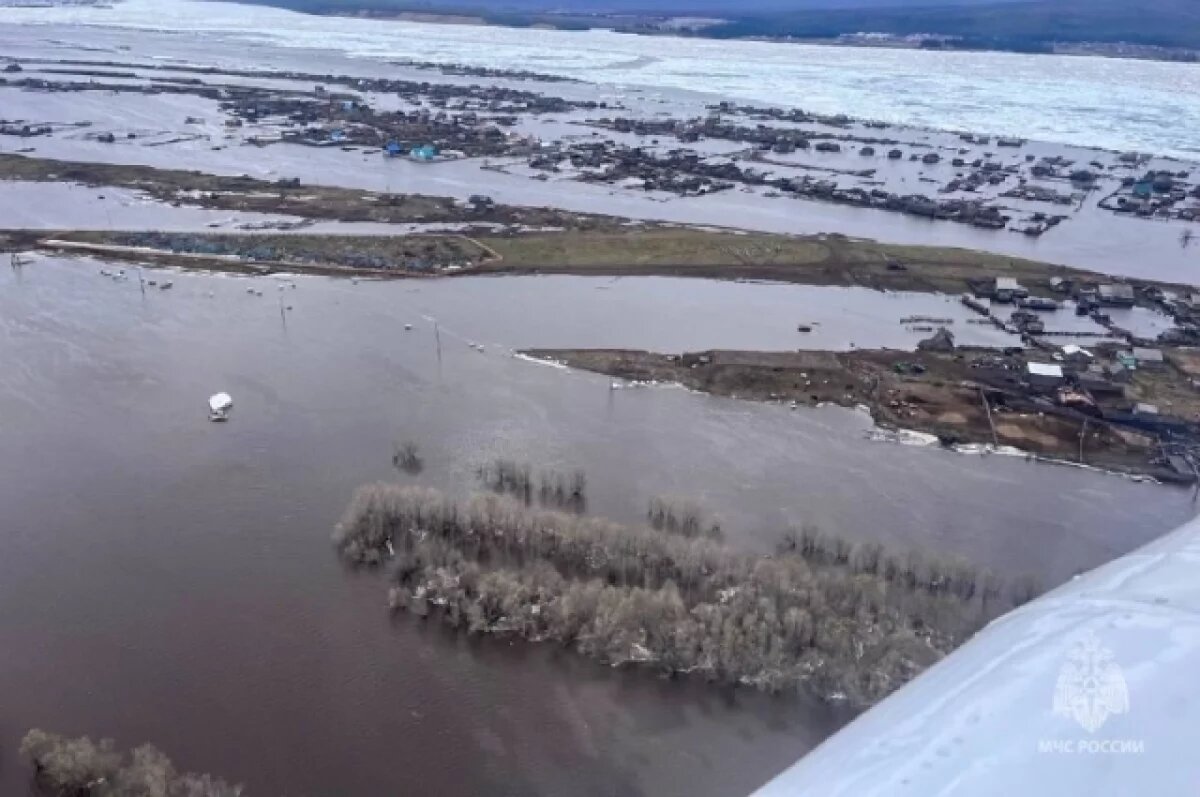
[1091, 686]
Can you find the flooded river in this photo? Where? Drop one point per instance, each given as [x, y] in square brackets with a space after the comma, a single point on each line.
[183, 131]
[1056, 99]
[165, 578]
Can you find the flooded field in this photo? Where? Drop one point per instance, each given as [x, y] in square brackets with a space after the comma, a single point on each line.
[58, 206]
[174, 579]
[956, 90]
[184, 131]
[1092, 240]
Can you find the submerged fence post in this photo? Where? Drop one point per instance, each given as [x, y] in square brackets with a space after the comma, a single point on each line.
[987, 408]
[1082, 434]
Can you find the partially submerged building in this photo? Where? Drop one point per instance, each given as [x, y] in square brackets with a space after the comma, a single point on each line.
[1044, 375]
[1116, 295]
[1097, 380]
[481, 202]
[1007, 289]
[1076, 355]
[424, 153]
[1147, 358]
[1039, 303]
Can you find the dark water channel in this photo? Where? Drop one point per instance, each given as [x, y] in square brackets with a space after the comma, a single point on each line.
[165, 578]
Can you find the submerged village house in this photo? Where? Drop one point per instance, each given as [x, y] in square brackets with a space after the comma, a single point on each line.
[1007, 289]
[1044, 376]
[1116, 295]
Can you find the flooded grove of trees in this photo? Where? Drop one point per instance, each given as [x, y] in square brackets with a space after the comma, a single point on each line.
[550, 488]
[66, 767]
[848, 622]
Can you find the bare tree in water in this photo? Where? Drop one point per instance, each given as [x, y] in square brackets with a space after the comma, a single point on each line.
[842, 619]
[408, 458]
[66, 767]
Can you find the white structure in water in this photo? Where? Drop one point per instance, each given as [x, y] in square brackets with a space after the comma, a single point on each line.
[219, 405]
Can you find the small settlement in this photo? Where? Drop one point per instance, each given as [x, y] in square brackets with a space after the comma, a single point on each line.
[1136, 386]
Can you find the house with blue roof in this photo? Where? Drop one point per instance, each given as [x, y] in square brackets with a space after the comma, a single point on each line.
[425, 152]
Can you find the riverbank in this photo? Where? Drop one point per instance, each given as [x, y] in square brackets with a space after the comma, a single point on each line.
[588, 247]
[640, 250]
[964, 396]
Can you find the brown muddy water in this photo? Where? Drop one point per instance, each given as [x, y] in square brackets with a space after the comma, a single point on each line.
[169, 579]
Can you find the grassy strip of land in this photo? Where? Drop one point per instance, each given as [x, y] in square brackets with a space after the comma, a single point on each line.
[326, 254]
[815, 260]
[285, 196]
[648, 250]
[546, 240]
[847, 622]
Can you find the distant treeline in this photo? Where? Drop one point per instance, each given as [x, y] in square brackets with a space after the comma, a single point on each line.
[1023, 25]
[845, 621]
[1031, 25]
[512, 18]
[65, 767]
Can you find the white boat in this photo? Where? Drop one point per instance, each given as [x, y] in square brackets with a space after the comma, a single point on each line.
[219, 405]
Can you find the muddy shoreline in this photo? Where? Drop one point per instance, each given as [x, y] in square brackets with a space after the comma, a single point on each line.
[606, 249]
[948, 395]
